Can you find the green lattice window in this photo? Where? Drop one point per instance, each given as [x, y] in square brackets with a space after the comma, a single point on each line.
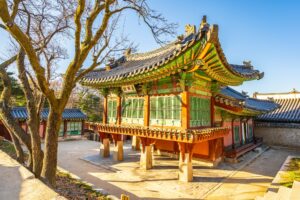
[165, 110]
[133, 110]
[74, 128]
[112, 111]
[236, 132]
[199, 112]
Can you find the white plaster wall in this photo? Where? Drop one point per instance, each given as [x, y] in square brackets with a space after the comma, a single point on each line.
[279, 136]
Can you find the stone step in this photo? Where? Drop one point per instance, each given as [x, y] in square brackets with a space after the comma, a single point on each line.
[271, 196]
[259, 198]
[284, 193]
[295, 194]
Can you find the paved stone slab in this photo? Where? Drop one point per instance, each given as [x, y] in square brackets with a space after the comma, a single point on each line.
[16, 182]
[254, 179]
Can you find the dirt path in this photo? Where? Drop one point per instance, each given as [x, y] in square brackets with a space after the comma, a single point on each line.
[255, 178]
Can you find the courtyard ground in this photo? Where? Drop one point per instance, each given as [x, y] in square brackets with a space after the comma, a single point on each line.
[81, 157]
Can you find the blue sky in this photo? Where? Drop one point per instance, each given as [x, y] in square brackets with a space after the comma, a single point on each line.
[267, 32]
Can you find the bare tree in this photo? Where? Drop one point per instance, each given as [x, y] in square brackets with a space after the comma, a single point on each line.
[94, 29]
[41, 27]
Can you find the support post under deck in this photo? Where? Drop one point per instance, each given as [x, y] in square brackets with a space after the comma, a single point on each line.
[135, 143]
[185, 173]
[104, 148]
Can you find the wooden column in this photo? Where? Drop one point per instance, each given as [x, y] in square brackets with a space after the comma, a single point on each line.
[119, 110]
[232, 132]
[146, 110]
[82, 127]
[212, 111]
[216, 150]
[135, 143]
[104, 147]
[185, 110]
[104, 119]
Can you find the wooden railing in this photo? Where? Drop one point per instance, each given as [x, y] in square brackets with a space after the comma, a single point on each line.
[187, 136]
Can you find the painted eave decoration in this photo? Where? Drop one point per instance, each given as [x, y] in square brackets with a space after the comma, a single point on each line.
[196, 50]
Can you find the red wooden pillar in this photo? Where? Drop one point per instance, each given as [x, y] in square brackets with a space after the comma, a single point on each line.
[146, 110]
[212, 111]
[82, 127]
[185, 110]
[104, 119]
[119, 110]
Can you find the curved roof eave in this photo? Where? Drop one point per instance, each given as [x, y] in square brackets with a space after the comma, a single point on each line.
[138, 68]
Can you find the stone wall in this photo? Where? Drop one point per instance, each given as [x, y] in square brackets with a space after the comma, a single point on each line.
[279, 136]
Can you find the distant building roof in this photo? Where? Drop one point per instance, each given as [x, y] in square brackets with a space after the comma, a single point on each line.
[289, 110]
[20, 113]
[250, 103]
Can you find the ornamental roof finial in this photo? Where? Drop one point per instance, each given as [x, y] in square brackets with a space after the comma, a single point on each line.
[294, 90]
[190, 29]
[204, 19]
[248, 64]
[204, 25]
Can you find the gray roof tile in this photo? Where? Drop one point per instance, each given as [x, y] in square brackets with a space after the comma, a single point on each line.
[250, 103]
[73, 113]
[288, 112]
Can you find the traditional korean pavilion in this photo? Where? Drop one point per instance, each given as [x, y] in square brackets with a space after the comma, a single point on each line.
[177, 99]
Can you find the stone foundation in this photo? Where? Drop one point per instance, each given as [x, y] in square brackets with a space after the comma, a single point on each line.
[146, 158]
[185, 173]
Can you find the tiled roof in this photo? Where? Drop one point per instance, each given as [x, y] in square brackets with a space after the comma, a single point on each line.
[288, 112]
[250, 103]
[132, 65]
[20, 113]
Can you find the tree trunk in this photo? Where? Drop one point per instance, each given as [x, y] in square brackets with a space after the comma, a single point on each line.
[37, 153]
[51, 144]
[33, 117]
[18, 148]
